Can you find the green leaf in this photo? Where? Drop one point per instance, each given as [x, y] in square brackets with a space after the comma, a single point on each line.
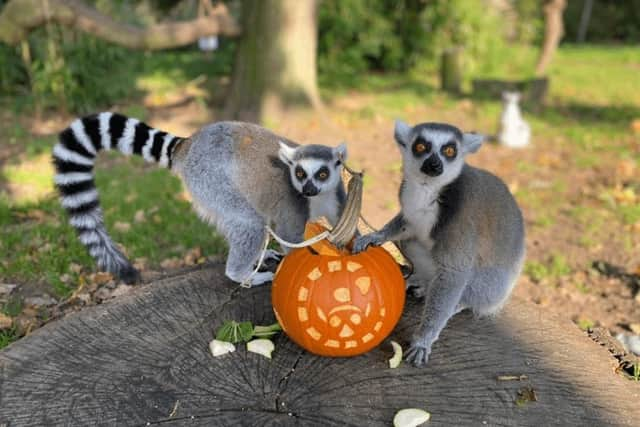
[245, 331]
[234, 332]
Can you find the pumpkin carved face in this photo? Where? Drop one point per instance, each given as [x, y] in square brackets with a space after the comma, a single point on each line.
[338, 305]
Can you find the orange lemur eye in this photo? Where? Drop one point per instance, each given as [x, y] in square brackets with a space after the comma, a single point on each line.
[300, 173]
[449, 151]
[421, 146]
[322, 174]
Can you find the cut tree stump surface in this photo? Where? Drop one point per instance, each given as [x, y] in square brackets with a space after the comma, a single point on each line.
[144, 359]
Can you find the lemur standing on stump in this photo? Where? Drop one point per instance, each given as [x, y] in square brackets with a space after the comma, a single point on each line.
[241, 177]
[459, 226]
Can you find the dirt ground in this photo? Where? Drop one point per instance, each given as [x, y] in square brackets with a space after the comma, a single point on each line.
[602, 286]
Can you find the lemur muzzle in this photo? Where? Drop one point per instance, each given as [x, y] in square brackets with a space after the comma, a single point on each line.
[432, 166]
[309, 189]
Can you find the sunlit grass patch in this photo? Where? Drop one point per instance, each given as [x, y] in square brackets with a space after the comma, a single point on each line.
[38, 245]
[29, 180]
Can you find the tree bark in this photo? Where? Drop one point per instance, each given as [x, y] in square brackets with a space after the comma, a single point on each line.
[275, 66]
[20, 17]
[585, 18]
[553, 32]
[143, 359]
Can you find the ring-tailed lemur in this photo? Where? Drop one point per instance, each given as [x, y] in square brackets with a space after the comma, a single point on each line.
[239, 175]
[459, 226]
[514, 130]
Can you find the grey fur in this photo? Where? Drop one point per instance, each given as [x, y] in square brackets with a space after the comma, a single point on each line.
[238, 184]
[231, 169]
[462, 230]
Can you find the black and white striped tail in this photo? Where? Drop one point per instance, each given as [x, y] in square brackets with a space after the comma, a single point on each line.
[74, 157]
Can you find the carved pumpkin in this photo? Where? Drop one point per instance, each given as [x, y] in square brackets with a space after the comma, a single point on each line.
[338, 305]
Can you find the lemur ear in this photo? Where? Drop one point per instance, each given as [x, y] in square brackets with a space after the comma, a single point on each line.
[471, 142]
[401, 133]
[340, 152]
[286, 153]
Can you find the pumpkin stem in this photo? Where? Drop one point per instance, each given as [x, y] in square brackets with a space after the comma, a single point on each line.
[347, 225]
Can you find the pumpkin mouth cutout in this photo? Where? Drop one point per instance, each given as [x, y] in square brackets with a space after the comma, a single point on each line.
[345, 308]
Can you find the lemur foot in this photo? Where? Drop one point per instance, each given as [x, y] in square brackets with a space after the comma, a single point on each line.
[418, 354]
[415, 289]
[261, 278]
[272, 254]
[271, 260]
[416, 292]
[362, 242]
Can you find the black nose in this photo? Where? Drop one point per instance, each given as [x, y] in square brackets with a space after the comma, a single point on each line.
[309, 189]
[432, 166]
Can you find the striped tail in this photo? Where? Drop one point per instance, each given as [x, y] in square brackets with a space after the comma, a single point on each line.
[74, 156]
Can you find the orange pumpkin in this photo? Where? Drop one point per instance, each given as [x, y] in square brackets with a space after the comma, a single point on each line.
[340, 304]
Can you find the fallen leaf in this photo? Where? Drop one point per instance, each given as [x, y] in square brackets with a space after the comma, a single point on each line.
[140, 263]
[192, 256]
[122, 226]
[635, 125]
[5, 321]
[139, 216]
[121, 290]
[76, 268]
[171, 263]
[100, 278]
[526, 395]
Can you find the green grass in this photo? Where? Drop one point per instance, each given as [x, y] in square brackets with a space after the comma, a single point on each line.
[7, 337]
[554, 267]
[38, 245]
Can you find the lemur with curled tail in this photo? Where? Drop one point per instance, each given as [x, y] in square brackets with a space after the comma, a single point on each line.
[241, 177]
[459, 226]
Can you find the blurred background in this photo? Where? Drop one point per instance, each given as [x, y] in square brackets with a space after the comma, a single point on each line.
[568, 144]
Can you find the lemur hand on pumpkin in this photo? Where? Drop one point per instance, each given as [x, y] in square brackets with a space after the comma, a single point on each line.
[240, 177]
[459, 226]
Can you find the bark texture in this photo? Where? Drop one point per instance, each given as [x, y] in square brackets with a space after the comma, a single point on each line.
[553, 33]
[275, 66]
[144, 360]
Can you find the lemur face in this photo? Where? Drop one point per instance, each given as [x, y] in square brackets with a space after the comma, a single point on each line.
[434, 151]
[314, 169]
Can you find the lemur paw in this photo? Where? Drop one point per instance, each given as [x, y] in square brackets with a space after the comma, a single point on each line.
[362, 242]
[271, 260]
[261, 278]
[418, 355]
[272, 254]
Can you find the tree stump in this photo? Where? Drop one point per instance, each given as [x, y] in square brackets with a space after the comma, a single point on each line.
[143, 359]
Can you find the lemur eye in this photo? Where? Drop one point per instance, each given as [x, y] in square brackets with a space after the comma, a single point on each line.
[449, 151]
[421, 146]
[322, 174]
[300, 173]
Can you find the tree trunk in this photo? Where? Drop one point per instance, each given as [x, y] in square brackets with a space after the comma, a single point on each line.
[275, 66]
[553, 32]
[584, 21]
[451, 70]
